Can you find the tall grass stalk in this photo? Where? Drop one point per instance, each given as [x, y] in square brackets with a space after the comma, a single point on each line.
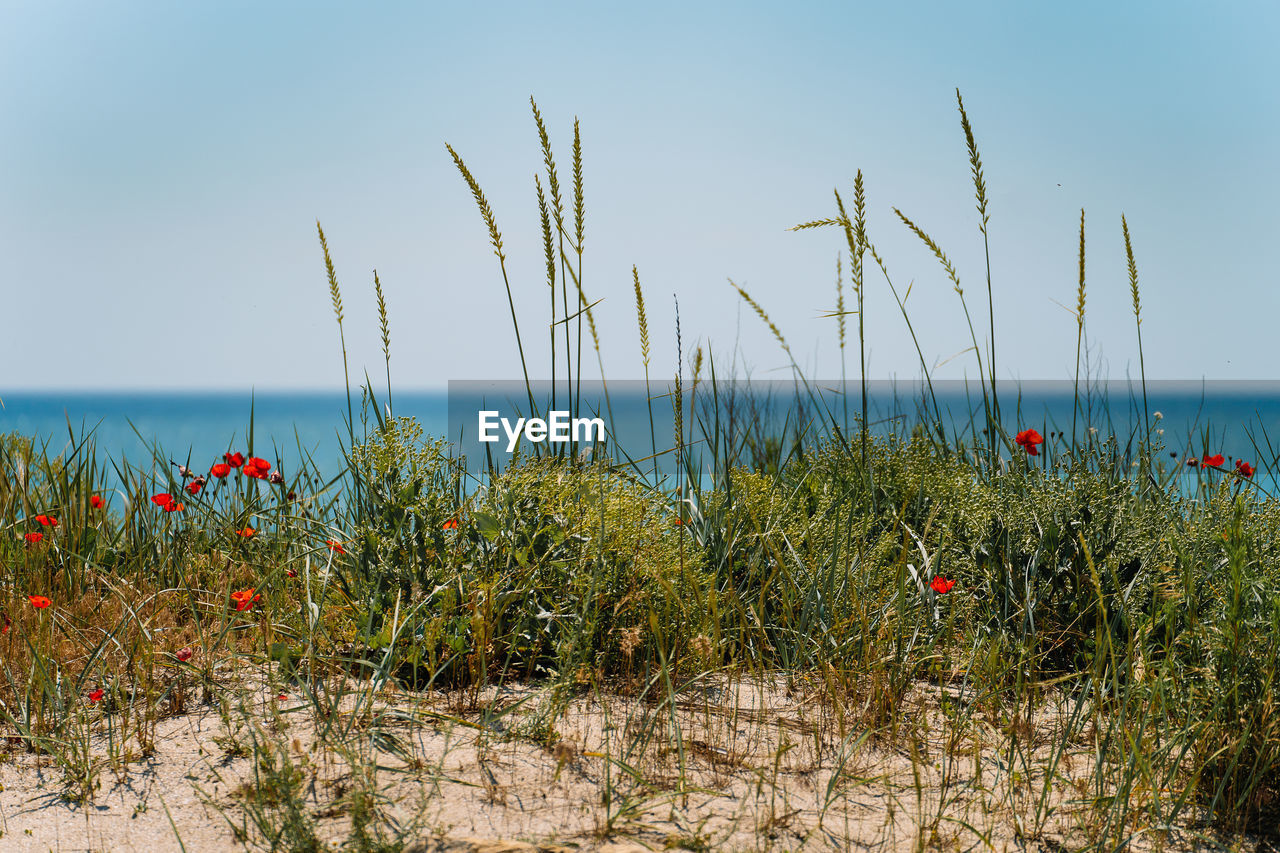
[856, 236]
[1080, 297]
[1137, 319]
[385, 328]
[642, 323]
[992, 423]
[495, 239]
[980, 194]
[840, 331]
[335, 299]
[557, 215]
[941, 440]
[548, 251]
[578, 217]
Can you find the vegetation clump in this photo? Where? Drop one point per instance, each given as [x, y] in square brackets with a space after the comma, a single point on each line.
[993, 569]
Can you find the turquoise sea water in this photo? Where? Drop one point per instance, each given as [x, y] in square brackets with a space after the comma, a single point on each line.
[1238, 419]
[200, 427]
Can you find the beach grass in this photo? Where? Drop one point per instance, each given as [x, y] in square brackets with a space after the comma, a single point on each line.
[1004, 638]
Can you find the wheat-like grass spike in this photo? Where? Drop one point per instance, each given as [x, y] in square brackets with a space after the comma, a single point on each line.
[935, 248]
[548, 247]
[1133, 271]
[335, 295]
[553, 179]
[579, 207]
[840, 299]
[644, 323]
[495, 236]
[1080, 286]
[763, 315]
[975, 163]
[382, 316]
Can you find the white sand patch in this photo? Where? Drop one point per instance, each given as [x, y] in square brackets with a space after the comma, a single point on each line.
[729, 764]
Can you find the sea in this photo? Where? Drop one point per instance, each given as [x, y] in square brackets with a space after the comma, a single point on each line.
[1188, 419]
[196, 428]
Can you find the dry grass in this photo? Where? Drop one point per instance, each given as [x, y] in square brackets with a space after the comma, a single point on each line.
[737, 763]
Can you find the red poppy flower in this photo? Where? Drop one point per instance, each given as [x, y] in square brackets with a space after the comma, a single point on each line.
[280, 697]
[292, 573]
[39, 602]
[245, 599]
[195, 486]
[247, 533]
[47, 520]
[1244, 469]
[677, 521]
[184, 654]
[235, 460]
[451, 524]
[335, 546]
[1029, 438]
[220, 470]
[97, 502]
[166, 502]
[257, 468]
[4, 629]
[1214, 461]
[97, 695]
[33, 538]
[941, 585]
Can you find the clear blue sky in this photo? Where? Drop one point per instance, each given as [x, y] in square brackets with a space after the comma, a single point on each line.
[162, 166]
